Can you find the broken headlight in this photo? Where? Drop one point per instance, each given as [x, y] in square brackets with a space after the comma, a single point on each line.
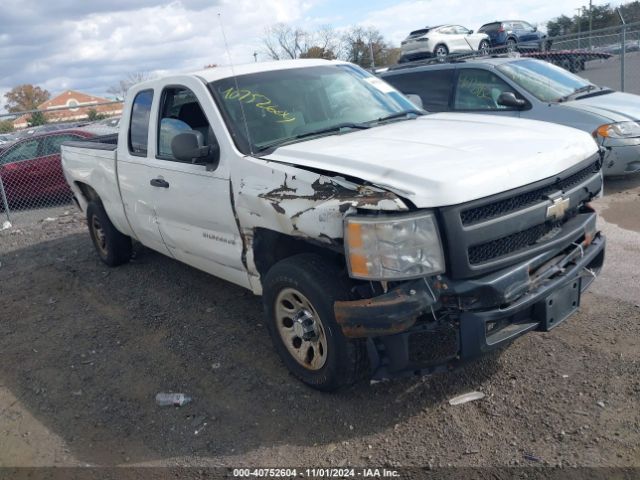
[393, 247]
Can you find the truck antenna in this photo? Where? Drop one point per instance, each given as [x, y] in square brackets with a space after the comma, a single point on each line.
[235, 80]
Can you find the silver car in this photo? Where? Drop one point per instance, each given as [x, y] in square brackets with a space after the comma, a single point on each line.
[534, 89]
[442, 41]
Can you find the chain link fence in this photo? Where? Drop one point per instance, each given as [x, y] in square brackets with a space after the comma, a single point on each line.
[32, 185]
[608, 57]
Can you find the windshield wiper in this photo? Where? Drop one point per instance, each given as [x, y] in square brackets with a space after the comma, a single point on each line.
[577, 91]
[322, 131]
[406, 114]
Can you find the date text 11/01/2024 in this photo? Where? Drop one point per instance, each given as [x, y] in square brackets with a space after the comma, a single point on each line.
[315, 472]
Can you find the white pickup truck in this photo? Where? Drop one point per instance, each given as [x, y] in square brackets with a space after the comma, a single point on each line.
[383, 240]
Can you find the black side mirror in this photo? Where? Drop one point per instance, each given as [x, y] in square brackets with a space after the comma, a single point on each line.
[189, 147]
[535, 29]
[509, 99]
[470, 32]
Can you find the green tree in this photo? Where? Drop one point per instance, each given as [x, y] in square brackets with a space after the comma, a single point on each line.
[6, 126]
[25, 97]
[366, 47]
[94, 116]
[37, 118]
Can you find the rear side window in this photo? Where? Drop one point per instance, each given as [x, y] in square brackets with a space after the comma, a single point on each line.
[139, 128]
[491, 27]
[433, 87]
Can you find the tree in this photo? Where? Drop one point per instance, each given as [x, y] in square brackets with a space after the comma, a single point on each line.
[318, 52]
[562, 25]
[37, 118]
[94, 116]
[361, 44]
[285, 42]
[25, 97]
[120, 90]
[6, 126]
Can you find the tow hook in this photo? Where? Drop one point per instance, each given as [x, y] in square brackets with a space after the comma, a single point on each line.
[304, 325]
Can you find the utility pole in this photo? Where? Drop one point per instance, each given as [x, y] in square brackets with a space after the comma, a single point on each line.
[590, 20]
[373, 62]
[579, 10]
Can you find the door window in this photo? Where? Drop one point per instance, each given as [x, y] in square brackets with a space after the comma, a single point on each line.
[180, 112]
[479, 90]
[433, 87]
[23, 151]
[139, 128]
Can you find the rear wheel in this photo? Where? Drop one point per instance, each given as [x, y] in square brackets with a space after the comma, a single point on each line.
[441, 51]
[299, 293]
[112, 247]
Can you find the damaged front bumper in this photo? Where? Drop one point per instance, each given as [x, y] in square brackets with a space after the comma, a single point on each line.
[422, 328]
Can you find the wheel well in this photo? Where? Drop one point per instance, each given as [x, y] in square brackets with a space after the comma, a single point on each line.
[440, 45]
[89, 194]
[511, 37]
[269, 247]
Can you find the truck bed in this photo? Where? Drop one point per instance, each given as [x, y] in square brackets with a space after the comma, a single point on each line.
[91, 164]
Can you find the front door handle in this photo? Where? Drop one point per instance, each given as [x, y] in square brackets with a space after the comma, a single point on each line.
[159, 182]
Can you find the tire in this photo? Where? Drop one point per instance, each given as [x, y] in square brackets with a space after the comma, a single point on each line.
[303, 288]
[441, 51]
[112, 247]
[484, 47]
[404, 59]
[512, 45]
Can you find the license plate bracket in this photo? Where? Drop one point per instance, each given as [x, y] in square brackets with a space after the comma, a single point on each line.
[558, 306]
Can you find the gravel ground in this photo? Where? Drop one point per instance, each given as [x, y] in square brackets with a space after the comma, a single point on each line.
[85, 349]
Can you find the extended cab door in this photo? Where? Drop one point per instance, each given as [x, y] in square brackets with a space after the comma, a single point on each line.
[194, 204]
[136, 170]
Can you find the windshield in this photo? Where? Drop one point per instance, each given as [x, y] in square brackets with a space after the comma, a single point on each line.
[543, 80]
[266, 108]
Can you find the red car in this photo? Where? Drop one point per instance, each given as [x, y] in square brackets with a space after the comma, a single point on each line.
[31, 172]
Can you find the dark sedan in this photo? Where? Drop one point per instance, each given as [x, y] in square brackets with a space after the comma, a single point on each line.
[31, 172]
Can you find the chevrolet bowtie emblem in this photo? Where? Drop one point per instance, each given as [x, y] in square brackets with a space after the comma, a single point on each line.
[558, 208]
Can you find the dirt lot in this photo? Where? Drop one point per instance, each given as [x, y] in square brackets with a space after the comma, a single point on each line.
[84, 350]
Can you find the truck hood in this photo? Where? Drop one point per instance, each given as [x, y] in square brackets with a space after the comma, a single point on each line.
[616, 106]
[446, 158]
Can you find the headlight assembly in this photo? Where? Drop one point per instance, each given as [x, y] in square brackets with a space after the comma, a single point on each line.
[394, 247]
[619, 130]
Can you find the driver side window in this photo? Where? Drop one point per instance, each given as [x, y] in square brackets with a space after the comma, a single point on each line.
[479, 90]
[180, 112]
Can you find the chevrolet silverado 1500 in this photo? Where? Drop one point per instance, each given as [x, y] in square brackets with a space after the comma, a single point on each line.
[384, 240]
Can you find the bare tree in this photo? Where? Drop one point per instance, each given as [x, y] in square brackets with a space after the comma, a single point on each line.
[120, 90]
[285, 42]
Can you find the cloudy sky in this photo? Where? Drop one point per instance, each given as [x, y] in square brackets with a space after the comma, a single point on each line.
[90, 45]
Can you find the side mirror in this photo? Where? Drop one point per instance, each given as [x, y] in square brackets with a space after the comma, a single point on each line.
[535, 29]
[189, 147]
[470, 32]
[415, 99]
[509, 99]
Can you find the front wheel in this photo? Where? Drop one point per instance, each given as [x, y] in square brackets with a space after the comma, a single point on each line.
[112, 247]
[511, 45]
[299, 293]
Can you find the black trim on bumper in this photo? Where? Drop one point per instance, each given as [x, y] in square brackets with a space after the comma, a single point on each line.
[479, 332]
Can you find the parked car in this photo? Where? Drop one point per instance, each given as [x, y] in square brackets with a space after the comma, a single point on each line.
[441, 41]
[31, 171]
[515, 35]
[533, 89]
[383, 240]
